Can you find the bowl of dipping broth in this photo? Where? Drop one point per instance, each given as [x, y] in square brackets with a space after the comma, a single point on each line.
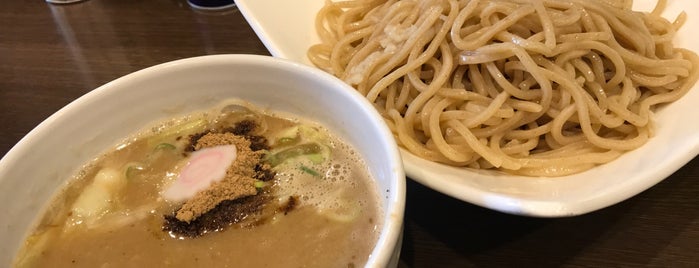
[224, 159]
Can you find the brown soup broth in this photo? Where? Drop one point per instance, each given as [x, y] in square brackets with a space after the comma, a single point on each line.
[335, 223]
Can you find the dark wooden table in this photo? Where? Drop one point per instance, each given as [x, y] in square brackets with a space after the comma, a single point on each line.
[51, 55]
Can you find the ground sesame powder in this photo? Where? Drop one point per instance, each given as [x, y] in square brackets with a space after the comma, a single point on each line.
[239, 181]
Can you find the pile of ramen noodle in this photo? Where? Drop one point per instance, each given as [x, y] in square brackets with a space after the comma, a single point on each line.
[539, 88]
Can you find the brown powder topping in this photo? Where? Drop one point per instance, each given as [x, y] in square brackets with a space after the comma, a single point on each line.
[225, 214]
[239, 181]
[290, 204]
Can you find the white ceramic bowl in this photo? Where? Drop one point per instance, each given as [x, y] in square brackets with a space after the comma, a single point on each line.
[39, 164]
[287, 30]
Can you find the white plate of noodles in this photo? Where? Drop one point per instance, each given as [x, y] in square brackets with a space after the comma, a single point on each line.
[494, 114]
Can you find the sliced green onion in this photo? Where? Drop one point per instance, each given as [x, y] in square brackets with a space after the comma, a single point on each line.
[316, 158]
[303, 149]
[133, 168]
[287, 141]
[312, 134]
[259, 184]
[165, 146]
[310, 171]
[287, 137]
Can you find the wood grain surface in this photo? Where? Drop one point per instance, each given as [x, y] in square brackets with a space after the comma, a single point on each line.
[52, 54]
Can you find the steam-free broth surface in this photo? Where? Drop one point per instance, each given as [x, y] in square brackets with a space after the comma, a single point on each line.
[320, 209]
[300, 239]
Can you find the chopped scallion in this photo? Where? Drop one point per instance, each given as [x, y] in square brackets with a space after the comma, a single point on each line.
[132, 169]
[316, 158]
[287, 141]
[302, 149]
[165, 146]
[310, 171]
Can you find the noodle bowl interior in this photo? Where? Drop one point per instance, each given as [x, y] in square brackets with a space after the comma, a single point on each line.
[539, 88]
[277, 190]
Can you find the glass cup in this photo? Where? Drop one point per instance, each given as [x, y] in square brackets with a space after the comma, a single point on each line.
[63, 1]
[211, 4]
